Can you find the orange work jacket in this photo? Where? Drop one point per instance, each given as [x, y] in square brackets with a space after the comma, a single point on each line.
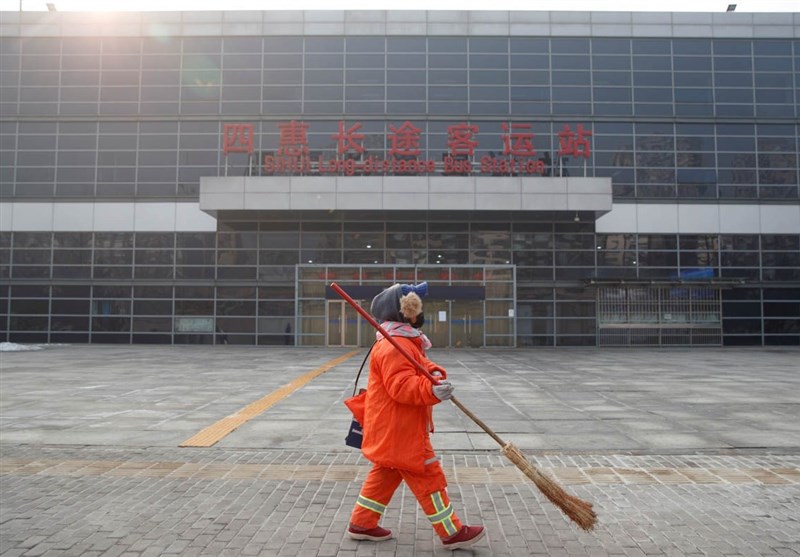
[398, 413]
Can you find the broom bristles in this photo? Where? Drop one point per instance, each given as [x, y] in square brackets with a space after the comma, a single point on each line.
[577, 510]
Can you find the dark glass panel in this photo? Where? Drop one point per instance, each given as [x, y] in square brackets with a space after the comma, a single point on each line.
[780, 242]
[611, 63]
[29, 323]
[763, 64]
[323, 61]
[237, 273]
[72, 257]
[653, 64]
[324, 44]
[62, 323]
[23, 306]
[481, 77]
[282, 44]
[657, 259]
[488, 44]
[152, 307]
[722, 79]
[739, 242]
[112, 273]
[651, 46]
[111, 324]
[283, 77]
[290, 62]
[665, 160]
[447, 61]
[112, 257]
[447, 44]
[201, 44]
[406, 44]
[692, 47]
[573, 78]
[192, 307]
[242, 44]
[693, 95]
[72, 272]
[574, 258]
[733, 96]
[740, 259]
[645, 190]
[70, 291]
[692, 63]
[113, 240]
[780, 80]
[730, 47]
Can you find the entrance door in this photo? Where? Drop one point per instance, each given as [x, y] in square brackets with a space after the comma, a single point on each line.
[467, 323]
[342, 327]
[437, 322]
[454, 323]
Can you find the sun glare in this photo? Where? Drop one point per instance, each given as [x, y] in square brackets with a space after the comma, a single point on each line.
[566, 5]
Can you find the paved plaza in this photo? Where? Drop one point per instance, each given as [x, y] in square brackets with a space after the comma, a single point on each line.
[239, 451]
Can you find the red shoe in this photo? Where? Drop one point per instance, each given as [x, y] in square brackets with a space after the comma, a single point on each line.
[466, 537]
[376, 534]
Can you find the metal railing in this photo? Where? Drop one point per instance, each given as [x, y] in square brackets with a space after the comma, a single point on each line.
[659, 315]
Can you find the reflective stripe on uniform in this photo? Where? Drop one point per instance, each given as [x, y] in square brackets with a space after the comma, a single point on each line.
[370, 505]
[443, 515]
[431, 460]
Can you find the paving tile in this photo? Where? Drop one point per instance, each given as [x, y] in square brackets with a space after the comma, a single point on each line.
[671, 460]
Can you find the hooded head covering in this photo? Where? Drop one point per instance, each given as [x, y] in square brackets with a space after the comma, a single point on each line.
[400, 302]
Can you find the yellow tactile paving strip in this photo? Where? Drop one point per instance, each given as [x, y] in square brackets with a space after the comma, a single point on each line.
[463, 475]
[215, 432]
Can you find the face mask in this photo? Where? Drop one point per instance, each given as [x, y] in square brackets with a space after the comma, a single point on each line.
[420, 321]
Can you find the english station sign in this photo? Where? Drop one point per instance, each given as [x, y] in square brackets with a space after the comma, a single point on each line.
[518, 155]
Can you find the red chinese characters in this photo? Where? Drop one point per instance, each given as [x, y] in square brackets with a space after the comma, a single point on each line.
[293, 141]
[460, 139]
[518, 143]
[237, 138]
[574, 143]
[349, 139]
[404, 140]
[404, 147]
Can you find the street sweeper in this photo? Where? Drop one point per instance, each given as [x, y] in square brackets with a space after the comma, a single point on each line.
[397, 421]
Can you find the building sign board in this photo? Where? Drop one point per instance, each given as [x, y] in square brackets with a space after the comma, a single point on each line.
[518, 156]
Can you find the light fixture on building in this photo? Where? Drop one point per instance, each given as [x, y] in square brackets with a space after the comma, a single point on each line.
[731, 8]
[51, 7]
[577, 218]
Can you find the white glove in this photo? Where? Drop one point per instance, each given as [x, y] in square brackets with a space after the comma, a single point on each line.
[444, 390]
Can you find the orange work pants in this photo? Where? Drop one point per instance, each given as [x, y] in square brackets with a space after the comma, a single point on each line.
[429, 487]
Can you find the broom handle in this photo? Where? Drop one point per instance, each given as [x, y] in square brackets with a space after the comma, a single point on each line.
[410, 358]
[478, 421]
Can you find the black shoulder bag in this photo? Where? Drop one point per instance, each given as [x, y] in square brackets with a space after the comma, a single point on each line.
[356, 405]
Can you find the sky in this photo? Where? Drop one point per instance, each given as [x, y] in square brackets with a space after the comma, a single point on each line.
[530, 5]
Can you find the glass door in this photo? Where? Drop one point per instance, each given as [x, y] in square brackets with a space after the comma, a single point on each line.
[343, 323]
[467, 323]
[454, 323]
[437, 322]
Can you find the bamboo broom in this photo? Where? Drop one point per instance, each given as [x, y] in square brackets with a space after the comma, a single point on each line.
[575, 509]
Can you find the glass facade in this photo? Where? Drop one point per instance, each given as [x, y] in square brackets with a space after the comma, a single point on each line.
[243, 278]
[140, 119]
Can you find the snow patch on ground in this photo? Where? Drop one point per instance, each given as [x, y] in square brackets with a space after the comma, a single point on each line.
[14, 347]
